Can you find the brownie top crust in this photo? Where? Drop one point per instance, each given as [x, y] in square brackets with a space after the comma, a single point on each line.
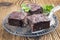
[34, 6]
[37, 18]
[17, 15]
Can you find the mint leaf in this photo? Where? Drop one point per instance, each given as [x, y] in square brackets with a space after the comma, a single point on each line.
[47, 8]
[25, 7]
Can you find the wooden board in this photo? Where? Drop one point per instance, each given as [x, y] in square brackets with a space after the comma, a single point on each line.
[5, 10]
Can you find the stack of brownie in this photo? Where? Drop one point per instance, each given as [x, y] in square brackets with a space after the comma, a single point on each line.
[34, 18]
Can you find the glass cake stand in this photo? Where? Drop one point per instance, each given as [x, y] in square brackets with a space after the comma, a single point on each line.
[26, 31]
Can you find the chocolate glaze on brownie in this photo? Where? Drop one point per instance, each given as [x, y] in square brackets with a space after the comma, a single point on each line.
[16, 18]
[35, 9]
[38, 22]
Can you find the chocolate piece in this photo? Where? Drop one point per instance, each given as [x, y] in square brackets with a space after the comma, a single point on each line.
[35, 9]
[16, 18]
[38, 22]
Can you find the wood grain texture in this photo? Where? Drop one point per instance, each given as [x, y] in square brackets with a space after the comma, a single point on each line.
[4, 11]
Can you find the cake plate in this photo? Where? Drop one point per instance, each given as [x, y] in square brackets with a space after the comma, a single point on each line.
[26, 31]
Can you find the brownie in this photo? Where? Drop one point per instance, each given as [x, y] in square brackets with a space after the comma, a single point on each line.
[38, 22]
[16, 18]
[35, 9]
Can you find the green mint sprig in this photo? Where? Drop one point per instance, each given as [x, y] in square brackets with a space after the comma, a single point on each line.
[47, 9]
[25, 7]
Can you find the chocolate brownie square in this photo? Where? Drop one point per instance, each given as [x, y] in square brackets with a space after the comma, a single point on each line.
[35, 9]
[16, 18]
[38, 22]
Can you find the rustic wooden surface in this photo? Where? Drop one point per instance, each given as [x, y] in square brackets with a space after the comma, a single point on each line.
[5, 10]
